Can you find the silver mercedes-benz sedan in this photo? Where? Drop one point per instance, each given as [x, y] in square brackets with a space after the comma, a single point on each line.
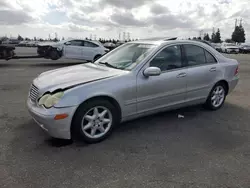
[136, 79]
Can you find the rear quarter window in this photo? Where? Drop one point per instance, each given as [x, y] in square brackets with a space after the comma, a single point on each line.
[209, 57]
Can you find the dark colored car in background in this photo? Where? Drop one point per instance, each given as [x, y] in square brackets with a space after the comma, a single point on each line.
[6, 51]
[245, 49]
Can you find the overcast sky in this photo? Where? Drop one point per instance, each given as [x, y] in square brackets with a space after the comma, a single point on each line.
[107, 18]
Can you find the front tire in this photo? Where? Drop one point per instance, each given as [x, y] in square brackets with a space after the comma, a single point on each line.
[216, 97]
[96, 57]
[54, 55]
[94, 121]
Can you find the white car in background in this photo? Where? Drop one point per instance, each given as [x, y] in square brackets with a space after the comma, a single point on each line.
[72, 49]
[229, 48]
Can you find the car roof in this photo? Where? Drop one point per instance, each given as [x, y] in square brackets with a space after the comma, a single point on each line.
[161, 43]
[165, 42]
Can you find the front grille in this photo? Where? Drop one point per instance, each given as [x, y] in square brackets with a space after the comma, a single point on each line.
[34, 92]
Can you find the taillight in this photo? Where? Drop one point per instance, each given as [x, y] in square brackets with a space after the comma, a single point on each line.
[236, 71]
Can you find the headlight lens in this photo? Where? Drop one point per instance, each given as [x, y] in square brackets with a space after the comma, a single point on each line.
[49, 100]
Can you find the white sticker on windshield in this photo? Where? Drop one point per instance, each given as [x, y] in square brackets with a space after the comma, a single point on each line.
[145, 46]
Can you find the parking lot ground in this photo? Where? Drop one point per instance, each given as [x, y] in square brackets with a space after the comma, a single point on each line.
[203, 149]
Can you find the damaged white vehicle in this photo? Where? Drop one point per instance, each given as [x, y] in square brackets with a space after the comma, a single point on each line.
[72, 49]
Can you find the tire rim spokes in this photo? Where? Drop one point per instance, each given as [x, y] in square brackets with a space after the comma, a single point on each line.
[96, 122]
[218, 96]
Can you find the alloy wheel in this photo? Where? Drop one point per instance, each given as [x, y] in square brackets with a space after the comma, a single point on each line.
[96, 122]
[218, 96]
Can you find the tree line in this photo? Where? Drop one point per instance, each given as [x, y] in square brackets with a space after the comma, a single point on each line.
[102, 40]
[238, 35]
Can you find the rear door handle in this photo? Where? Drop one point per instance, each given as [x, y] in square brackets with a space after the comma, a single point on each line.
[212, 69]
[181, 75]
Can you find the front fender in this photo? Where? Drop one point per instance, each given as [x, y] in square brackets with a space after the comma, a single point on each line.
[75, 98]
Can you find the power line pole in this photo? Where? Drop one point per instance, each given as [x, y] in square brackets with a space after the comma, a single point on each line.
[124, 36]
[128, 36]
[201, 32]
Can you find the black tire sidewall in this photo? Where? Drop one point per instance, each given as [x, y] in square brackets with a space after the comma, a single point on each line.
[97, 57]
[209, 104]
[54, 55]
[76, 130]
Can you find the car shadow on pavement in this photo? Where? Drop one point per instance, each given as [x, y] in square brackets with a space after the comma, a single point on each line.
[55, 142]
[204, 144]
[219, 130]
[188, 121]
[2, 65]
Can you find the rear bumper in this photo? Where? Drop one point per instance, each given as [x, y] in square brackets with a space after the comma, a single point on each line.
[232, 84]
[43, 51]
[245, 50]
[232, 50]
[45, 119]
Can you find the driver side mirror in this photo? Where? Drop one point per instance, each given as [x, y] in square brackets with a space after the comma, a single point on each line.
[67, 43]
[152, 71]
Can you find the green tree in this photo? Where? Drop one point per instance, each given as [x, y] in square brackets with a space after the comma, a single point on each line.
[55, 39]
[217, 36]
[229, 41]
[20, 38]
[206, 37]
[213, 37]
[239, 34]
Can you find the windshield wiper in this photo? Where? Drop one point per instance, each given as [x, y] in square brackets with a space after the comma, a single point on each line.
[108, 65]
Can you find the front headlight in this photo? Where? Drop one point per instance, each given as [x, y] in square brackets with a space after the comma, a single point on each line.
[49, 100]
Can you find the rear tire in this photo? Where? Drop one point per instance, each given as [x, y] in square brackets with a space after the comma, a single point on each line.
[97, 57]
[90, 125]
[216, 97]
[54, 55]
[4, 54]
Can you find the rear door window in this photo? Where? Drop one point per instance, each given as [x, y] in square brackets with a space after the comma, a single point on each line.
[195, 55]
[76, 43]
[209, 57]
[90, 44]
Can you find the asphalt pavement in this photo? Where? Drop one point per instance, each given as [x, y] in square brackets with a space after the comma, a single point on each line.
[203, 149]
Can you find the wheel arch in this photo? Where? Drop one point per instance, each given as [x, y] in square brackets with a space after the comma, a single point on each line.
[112, 100]
[98, 55]
[225, 83]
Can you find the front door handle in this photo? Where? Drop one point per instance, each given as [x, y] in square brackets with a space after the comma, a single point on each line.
[181, 75]
[212, 69]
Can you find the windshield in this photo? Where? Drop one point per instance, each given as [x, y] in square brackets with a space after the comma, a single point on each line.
[63, 41]
[127, 57]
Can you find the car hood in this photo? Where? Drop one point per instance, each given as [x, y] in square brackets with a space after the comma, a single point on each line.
[232, 47]
[72, 76]
[244, 47]
[46, 44]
